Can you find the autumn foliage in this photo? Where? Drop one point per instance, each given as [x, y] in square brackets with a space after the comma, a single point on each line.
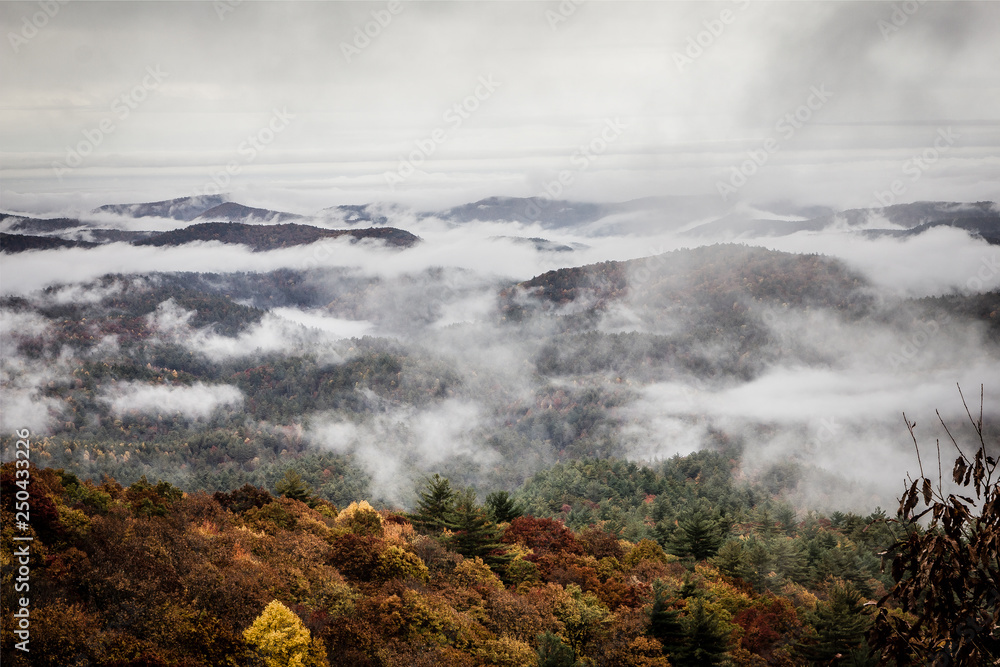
[148, 574]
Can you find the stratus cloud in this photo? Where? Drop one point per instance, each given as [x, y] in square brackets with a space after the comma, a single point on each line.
[197, 401]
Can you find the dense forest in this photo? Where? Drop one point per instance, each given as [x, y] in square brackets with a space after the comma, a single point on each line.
[679, 564]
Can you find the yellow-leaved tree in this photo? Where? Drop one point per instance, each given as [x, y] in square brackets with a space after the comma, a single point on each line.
[282, 639]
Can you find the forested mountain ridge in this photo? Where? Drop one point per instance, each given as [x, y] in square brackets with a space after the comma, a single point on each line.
[264, 237]
[259, 237]
[703, 274]
[11, 243]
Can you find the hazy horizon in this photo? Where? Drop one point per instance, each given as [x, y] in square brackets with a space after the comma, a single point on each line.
[111, 102]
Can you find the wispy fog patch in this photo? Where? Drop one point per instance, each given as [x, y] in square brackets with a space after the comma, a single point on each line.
[652, 434]
[22, 407]
[197, 401]
[939, 261]
[398, 447]
[831, 403]
[27, 272]
[337, 327]
[22, 378]
[16, 325]
[474, 308]
[843, 427]
[798, 395]
[284, 330]
[148, 223]
[78, 293]
[469, 249]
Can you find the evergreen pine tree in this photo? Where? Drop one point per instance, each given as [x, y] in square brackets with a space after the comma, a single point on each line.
[665, 625]
[840, 624]
[294, 487]
[699, 534]
[475, 534]
[706, 640]
[688, 588]
[553, 651]
[437, 499]
[733, 560]
[790, 560]
[502, 507]
[759, 562]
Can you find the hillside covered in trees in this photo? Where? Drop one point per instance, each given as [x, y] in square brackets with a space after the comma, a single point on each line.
[680, 565]
[146, 574]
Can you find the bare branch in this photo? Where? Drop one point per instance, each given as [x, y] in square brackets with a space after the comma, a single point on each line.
[940, 490]
[909, 427]
[946, 430]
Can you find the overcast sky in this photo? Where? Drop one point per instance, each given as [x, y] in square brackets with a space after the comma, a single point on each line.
[618, 96]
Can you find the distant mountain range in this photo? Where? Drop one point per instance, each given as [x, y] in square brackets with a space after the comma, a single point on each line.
[48, 234]
[980, 218]
[696, 216]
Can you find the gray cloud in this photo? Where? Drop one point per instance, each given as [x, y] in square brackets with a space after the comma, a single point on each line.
[354, 119]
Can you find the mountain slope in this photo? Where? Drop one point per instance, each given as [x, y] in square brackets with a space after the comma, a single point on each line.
[697, 276]
[271, 237]
[233, 212]
[981, 218]
[11, 243]
[26, 225]
[182, 208]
